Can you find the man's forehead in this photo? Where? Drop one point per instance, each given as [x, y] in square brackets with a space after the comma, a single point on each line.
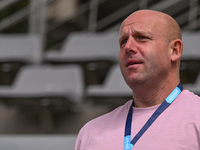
[130, 22]
[148, 24]
[137, 27]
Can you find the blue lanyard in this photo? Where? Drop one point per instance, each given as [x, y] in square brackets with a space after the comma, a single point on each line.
[128, 143]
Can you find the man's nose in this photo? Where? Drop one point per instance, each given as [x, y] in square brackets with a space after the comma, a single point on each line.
[130, 46]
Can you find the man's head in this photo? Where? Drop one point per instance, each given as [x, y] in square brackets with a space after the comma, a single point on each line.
[150, 48]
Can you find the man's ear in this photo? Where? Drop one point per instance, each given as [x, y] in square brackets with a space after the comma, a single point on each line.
[176, 49]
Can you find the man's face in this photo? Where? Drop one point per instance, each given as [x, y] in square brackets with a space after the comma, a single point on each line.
[144, 56]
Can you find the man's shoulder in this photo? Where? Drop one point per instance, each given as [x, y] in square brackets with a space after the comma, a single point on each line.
[108, 118]
[189, 100]
[186, 94]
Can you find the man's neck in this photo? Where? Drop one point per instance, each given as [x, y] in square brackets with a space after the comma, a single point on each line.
[151, 96]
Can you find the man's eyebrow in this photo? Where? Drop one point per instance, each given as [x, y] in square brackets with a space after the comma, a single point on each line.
[140, 32]
[135, 32]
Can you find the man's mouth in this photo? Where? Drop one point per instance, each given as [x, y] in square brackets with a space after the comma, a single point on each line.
[130, 63]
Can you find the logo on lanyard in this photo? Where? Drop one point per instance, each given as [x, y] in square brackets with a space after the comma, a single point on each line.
[127, 144]
[173, 95]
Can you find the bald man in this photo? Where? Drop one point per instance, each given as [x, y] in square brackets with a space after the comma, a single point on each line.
[161, 114]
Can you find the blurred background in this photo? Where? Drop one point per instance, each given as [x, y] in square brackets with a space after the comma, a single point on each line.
[59, 65]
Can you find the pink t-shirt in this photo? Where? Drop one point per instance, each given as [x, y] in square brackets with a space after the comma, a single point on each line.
[177, 128]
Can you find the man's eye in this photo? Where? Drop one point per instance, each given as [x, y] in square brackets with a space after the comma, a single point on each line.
[143, 37]
[123, 42]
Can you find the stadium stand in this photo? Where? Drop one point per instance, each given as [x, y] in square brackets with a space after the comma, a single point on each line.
[95, 52]
[45, 90]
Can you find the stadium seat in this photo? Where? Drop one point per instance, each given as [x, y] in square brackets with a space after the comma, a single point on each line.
[190, 61]
[83, 47]
[114, 90]
[46, 81]
[16, 51]
[191, 45]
